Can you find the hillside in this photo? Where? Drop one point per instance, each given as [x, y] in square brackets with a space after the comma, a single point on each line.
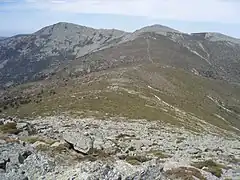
[38, 56]
[24, 58]
[160, 67]
[84, 103]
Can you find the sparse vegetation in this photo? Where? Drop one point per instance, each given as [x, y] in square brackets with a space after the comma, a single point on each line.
[43, 148]
[185, 173]
[135, 100]
[9, 128]
[180, 139]
[33, 139]
[136, 160]
[159, 154]
[211, 166]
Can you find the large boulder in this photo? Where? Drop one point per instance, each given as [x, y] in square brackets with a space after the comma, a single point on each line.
[80, 142]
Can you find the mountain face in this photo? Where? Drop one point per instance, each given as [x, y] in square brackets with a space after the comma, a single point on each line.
[158, 72]
[29, 57]
[25, 58]
[153, 104]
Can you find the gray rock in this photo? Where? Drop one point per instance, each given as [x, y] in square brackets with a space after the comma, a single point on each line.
[148, 173]
[104, 144]
[2, 141]
[21, 125]
[18, 162]
[8, 121]
[101, 135]
[3, 164]
[1, 121]
[23, 156]
[105, 172]
[80, 142]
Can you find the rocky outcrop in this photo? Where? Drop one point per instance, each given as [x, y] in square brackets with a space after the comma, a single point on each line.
[28, 57]
[79, 142]
[68, 148]
[22, 162]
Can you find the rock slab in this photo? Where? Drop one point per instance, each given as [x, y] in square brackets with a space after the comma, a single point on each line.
[79, 141]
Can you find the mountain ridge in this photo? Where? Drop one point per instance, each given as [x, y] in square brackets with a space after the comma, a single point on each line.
[38, 55]
[64, 51]
[152, 25]
[114, 105]
[183, 80]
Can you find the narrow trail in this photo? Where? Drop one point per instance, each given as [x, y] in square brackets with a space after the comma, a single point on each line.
[201, 45]
[148, 50]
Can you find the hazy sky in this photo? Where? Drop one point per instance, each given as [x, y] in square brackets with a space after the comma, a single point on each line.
[25, 16]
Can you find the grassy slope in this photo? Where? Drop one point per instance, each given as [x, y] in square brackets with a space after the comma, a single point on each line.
[154, 91]
[145, 91]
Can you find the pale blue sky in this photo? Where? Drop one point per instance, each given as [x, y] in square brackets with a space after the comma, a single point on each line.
[27, 16]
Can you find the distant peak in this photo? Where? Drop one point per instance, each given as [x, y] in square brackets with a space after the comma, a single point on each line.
[157, 28]
[215, 36]
[68, 24]
[61, 26]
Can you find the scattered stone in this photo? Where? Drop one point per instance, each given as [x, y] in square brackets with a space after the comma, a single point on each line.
[149, 173]
[22, 125]
[2, 141]
[144, 152]
[3, 164]
[23, 156]
[79, 141]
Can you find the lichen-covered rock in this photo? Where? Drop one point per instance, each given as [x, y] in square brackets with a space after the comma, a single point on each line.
[130, 150]
[79, 141]
[18, 162]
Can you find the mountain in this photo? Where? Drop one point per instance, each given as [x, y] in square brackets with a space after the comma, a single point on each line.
[211, 36]
[25, 57]
[36, 56]
[169, 74]
[153, 104]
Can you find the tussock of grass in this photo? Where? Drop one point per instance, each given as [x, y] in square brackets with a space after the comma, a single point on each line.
[159, 154]
[212, 167]
[9, 128]
[185, 173]
[136, 160]
[94, 155]
[33, 139]
[43, 148]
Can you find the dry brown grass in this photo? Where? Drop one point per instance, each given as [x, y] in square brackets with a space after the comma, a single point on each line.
[9, 128]
[185, 173]
[211, 166]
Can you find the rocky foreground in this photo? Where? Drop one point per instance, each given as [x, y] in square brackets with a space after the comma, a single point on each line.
[68, 148]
